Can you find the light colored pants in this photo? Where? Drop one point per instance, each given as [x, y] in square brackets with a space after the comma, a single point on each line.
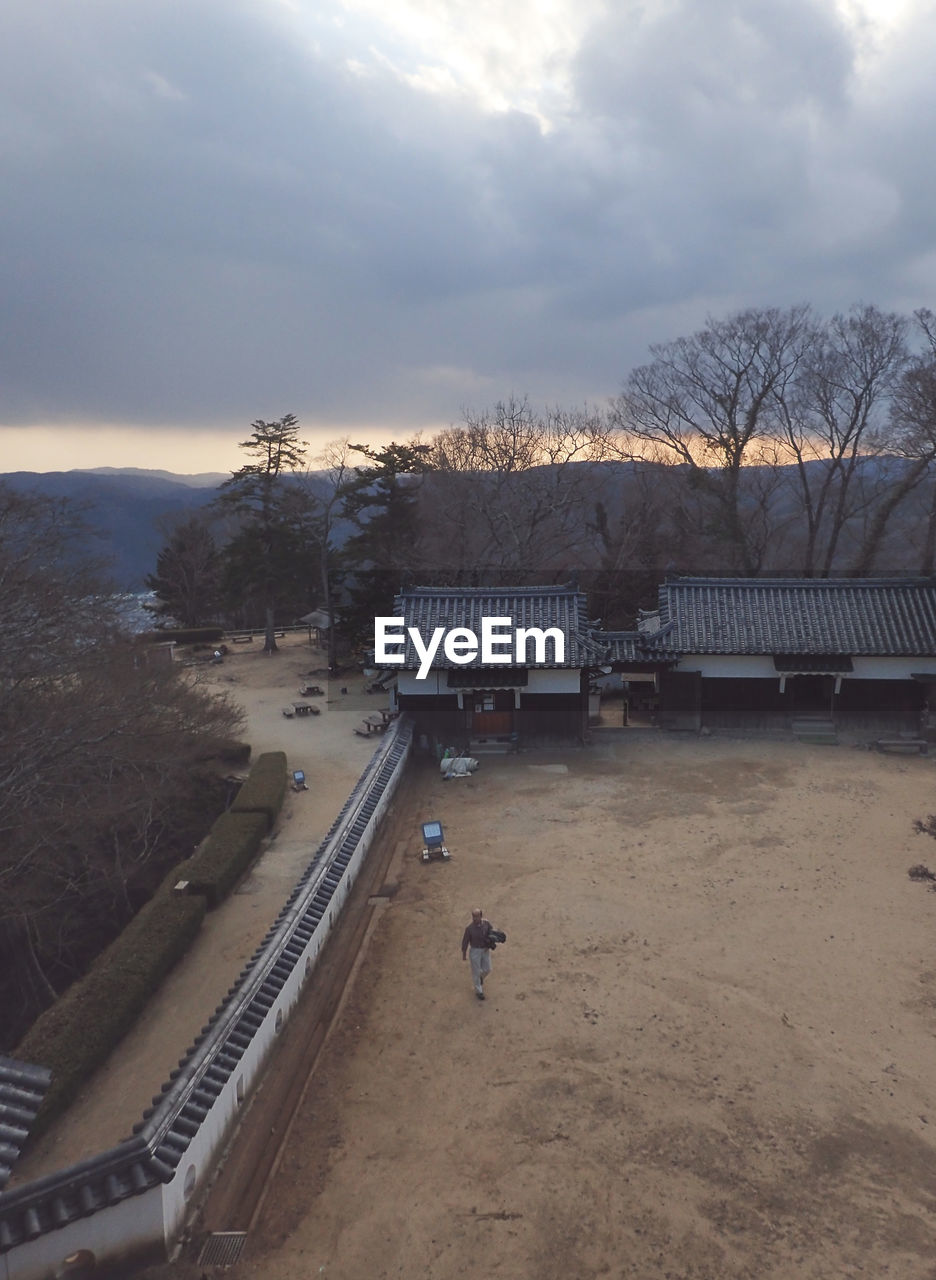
[480, 960]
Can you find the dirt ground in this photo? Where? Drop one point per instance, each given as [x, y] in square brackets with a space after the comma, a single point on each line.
[708, 1044]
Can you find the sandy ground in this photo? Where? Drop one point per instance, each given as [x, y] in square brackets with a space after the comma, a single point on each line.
[707, 1048]
[708, 1044]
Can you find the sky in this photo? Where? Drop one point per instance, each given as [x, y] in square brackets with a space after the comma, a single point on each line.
[380, 216]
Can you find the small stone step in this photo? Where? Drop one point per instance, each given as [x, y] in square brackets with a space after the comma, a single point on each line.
[813, 724]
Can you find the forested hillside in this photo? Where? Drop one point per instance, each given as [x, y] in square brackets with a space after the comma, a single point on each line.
[130, 512]
[111, 768]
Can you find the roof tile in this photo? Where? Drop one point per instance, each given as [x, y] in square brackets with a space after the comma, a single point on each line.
[886, 617]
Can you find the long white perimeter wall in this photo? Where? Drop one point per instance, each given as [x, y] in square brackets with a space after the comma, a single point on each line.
[133, 1200]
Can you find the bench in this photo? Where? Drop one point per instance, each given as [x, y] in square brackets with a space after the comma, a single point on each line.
[370, 725]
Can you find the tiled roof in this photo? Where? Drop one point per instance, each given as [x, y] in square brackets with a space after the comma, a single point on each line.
[22, 1088]
[635, 648]
[52, 1202]
[868, 616]
[426, 608]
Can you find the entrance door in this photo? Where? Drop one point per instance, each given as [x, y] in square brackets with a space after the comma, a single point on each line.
[491, 713]
[491, 723]
[811, 696]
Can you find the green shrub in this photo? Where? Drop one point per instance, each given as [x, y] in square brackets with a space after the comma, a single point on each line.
[224, 855]
[265, 788]
[88, 1021]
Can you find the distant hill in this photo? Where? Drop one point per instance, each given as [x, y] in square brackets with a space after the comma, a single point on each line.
[204, 480]
[129, 508]
[125, 507]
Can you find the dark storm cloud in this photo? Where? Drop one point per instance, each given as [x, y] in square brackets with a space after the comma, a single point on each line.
[208, 216]
[201, 216]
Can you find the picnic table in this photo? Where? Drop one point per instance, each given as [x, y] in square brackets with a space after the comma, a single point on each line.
[300, 709]
[372, 724]
[311, 691]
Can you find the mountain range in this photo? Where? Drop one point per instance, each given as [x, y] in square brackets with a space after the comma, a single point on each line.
[129, 509]
[132, 511]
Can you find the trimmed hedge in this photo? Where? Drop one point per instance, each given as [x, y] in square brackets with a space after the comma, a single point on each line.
[75, 1036]
[88, 1021]
[265, 788]
[224, 855]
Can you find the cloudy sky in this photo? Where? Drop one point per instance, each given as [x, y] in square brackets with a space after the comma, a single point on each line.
[377, 213]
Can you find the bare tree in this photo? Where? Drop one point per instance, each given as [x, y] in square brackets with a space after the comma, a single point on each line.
[633, 539]
[511, 488]
[910, 437]
[55, 597]
[709, 402]
[829, 422]
[102, 784]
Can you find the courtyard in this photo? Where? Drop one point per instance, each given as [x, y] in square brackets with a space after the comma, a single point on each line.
[707, 1046]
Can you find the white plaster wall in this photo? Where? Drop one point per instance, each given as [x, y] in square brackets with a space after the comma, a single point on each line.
[206, 1146]
[890, 668]
[728, 667]
[561, 680]
[760, 666]
[124, 1228]
[435, 682]
[158, 1216]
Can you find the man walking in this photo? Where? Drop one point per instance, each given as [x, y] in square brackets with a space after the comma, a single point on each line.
[476, 946]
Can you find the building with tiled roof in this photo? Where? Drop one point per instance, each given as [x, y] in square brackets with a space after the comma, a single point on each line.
[771, 653]
[528, 680]
[542, 692]
[718, 652]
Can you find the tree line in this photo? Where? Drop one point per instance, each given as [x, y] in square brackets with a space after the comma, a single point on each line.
[110, 768]
[769, 441]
